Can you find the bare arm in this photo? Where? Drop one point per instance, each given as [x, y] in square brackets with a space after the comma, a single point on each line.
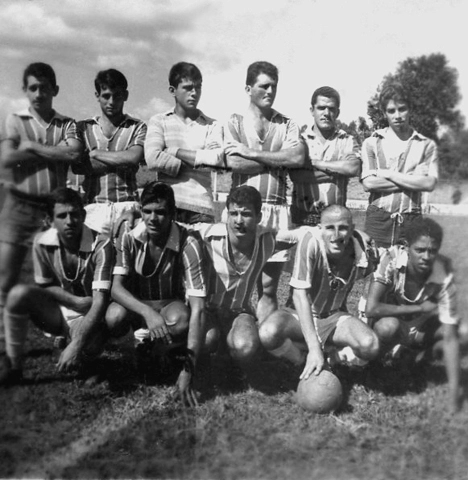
[405, 181]
[71, 356]
[373, 183]
[67, 299]
[451, 347]
[349, 167]
[288, 157]
[315, 360]
[375, 308]
[194, 344]
[154, 321]
[28, 151]
[124, 158]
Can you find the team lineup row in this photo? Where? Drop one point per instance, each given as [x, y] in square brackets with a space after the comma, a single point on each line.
[411, 301]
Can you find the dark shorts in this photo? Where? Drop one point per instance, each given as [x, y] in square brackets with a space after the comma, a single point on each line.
[21, 218]
[189, 217]
[222, 319]
[385, 230]
[301, 217]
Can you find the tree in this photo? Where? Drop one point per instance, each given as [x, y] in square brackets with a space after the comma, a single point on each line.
[357, 128]
[432, 86]
[453, 155]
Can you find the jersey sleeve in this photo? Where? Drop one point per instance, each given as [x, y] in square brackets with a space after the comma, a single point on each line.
[293, 135]
[193, 261]
[70, 131]
[103, 263]
[139, 135]
[307, 249]
[385, 270]
[43, 273]
[124, 257]
[429, 164]
[156, 156]
[10, 129]
[369, 158]
[447, 302]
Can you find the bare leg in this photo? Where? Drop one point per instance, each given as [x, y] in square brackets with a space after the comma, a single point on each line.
[267, 301]
[243, 340]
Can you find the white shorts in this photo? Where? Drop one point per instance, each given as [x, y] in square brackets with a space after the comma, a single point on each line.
[102, 216]
[274, 217]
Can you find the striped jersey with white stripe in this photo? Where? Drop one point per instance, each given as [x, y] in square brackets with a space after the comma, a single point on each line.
[282, 134]
[42, 177]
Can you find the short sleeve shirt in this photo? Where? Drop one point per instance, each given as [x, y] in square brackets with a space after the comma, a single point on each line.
[419, 158]
[312, 272]
[119, 183]
[94, 263]
[439, 287]
[283, 134]
[43, 177]
[178, 273]
[312, 195]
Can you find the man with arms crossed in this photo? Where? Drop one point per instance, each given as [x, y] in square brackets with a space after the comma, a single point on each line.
[412, 300]
[330, 258]
[114, 148]
[176, 145]
[37, 145]
[260, 146]
[332, 159]
[72, 271]
[158, 265]
[398, 165]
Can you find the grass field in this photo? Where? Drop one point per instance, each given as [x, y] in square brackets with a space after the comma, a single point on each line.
[393, 423]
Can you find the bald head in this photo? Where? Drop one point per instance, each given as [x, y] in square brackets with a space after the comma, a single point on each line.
[335, 211]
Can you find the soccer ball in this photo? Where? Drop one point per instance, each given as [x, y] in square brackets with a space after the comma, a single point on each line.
[320, 393]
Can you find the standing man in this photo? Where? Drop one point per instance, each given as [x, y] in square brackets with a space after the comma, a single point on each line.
[176, 146]
[332, 159]
[260, 146]
[114, 150]
[37, 145]
[330, 258]
[159, 266]
[412, 300]
[399, 164]
[72, 271]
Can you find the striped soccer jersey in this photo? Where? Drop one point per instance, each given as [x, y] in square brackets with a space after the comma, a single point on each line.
[312, 271]
[118, 184]
[43, 177]
[282, 134]
[94, 263]
[419, 158]
[179, 272]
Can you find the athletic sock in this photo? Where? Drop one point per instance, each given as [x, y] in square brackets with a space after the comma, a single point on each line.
[289, 351]
[16, 332]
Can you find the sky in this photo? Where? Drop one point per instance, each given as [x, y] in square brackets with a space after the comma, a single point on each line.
[349, 45]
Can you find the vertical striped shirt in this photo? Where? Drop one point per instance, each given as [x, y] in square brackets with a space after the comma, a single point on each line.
[94, 263]
[419, 158]
[42, 177]
[438, 288]
[179, 272]
[282, 134]
[167, 132]
[312, 271]
[119, 183]
[312, 195]
[228, 287]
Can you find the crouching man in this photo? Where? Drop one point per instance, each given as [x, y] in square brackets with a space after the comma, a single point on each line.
[412, 300]
[72, 271]
[330, 258]
[159, 265]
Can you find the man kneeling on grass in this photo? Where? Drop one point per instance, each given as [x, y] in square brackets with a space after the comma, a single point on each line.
[411, 303]
[72, 270]
[330, 258]
[159, 265]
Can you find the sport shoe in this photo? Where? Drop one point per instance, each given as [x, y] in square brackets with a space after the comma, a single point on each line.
[9, 375]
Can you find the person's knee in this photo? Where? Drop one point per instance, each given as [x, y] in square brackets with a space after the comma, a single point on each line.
[387, 329]
[271, 331]
[18, 298]
[243, 340]
[117, 320]
[177, 317]
[211, 342]
[368, 345]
